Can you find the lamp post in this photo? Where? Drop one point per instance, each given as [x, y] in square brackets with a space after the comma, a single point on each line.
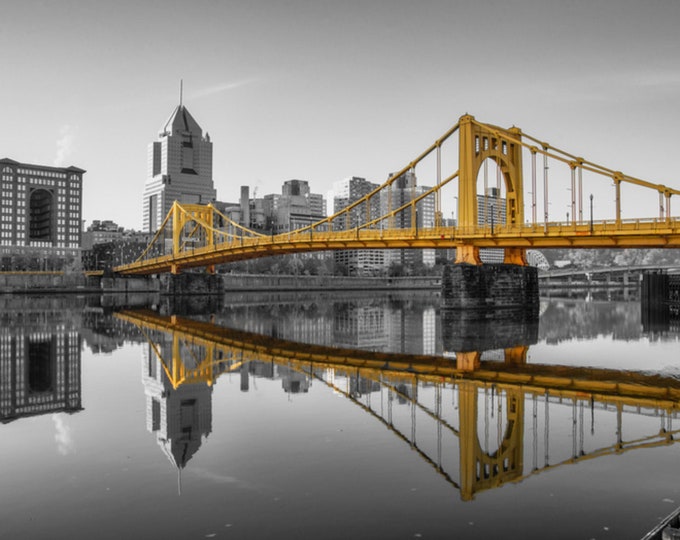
[591, 213]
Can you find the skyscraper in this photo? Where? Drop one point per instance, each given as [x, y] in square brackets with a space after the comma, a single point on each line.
[346, 192]
[402, 192]
[179, 168]
[491, 211]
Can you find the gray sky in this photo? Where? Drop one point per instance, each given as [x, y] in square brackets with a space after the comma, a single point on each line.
[321, 90]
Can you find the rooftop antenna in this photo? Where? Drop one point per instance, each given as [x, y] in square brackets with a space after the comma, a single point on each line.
[181, 84]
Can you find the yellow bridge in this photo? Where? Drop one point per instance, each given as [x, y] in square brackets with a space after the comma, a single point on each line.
[197, 353]
[200, 236]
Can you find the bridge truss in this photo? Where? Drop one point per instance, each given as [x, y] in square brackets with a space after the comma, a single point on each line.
[486, 155]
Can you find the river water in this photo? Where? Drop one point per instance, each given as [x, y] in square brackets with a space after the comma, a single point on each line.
[350, 415]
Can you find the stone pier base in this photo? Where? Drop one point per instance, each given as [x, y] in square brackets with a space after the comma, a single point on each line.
[483, 330]
[191, 284]
[490, 287]
[660, 301]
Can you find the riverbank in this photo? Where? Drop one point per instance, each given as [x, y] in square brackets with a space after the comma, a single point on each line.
[59, 283]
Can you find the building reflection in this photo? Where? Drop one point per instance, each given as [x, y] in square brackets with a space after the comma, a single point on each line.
[179, 415]
[481, 421]
[40, 362]
[406, 323]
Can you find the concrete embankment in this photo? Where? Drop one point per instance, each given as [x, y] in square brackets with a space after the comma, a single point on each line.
[46, 282]
[194, 283]
[246, 282]
[200, 283]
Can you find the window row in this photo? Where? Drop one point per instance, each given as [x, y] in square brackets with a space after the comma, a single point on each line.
[49, 174]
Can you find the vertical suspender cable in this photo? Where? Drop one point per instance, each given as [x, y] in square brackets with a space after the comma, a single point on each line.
[581, 423]
[573, 193]
[390, 219]
[580, 191]
[535, 430]
[438, 414]
[486, 191]
[545, 186]
[533, 186]
[617, 187]
[499, 179]
[390, 399]
[619, 426]
[437, 194]
[413, 414]
[547, 432]
[573, 429]
[499, 419]
[486, 419]
[414, 209]
[499, 174]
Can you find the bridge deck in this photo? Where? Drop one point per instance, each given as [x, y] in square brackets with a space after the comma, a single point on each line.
[608, 234]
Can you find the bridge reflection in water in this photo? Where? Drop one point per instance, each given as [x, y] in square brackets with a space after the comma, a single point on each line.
[479, 423]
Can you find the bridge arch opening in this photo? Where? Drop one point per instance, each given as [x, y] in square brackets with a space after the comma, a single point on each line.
[491, 193]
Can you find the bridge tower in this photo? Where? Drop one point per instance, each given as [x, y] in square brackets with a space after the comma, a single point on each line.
[468, 283]
[477, 143]
[481, 470]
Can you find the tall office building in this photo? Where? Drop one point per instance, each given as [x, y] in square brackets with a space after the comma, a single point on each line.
[179, 168]
[346, 192]
[403, 191]
[491, 209]
[40, 213]
[297, 206]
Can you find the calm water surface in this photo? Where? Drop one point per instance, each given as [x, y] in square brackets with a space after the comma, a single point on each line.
[334, 416]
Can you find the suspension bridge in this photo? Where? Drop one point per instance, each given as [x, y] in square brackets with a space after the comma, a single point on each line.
[194, 236]
[478, 416]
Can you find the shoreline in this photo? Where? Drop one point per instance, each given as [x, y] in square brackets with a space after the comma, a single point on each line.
[50, 283]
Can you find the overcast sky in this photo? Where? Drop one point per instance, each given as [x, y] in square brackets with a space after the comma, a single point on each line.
[322, 90]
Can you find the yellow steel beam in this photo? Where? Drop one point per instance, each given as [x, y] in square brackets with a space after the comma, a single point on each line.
[626, 387]
[609, 234]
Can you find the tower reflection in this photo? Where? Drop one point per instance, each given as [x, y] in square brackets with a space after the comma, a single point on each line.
[179, 407]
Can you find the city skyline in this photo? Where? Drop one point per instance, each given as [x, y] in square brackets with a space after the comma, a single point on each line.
[320, 91]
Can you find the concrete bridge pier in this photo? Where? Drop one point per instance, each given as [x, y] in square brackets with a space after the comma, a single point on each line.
[191, 283]
[490, 287]
[660, 300]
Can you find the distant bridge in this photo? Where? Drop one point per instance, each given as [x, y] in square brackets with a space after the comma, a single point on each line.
[610, 276]
[194, 236]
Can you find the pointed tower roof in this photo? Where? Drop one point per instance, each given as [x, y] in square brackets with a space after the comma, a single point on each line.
[181, 121]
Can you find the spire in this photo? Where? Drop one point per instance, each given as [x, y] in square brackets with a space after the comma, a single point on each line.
[181, 85]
